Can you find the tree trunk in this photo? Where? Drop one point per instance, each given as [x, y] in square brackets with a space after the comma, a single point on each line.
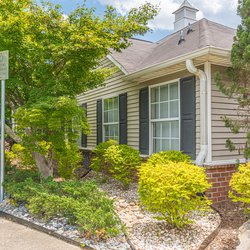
[42, 165]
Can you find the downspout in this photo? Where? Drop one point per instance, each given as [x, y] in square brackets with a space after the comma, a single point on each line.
[203, 110]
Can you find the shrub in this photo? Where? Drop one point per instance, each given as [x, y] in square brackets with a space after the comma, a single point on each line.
[82, 203]
[240, 185]
[166, 156]
[119, 161]
[123, 162]
[170, 191]
[98, 163]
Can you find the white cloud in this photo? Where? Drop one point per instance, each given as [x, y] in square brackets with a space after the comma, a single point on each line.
[223, 11]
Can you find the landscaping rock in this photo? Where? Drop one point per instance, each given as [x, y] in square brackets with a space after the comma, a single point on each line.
[244, 236]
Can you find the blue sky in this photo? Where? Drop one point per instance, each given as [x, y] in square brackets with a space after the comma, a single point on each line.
[221, 11]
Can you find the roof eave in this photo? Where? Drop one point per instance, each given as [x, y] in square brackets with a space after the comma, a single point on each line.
[179, 59]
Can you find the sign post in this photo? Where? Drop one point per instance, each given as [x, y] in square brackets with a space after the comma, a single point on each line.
[4, 74]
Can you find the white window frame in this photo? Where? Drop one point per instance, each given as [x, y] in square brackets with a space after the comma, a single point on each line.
[151, 121]
[110, 123]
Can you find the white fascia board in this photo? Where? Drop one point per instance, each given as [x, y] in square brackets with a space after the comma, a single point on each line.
[116, 63]
[192, 55]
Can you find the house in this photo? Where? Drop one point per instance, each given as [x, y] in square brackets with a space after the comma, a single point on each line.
[164, 97]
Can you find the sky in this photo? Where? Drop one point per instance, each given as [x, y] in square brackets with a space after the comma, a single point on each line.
[221, 11]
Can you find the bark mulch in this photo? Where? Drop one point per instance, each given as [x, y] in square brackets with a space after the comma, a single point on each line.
[232, 217]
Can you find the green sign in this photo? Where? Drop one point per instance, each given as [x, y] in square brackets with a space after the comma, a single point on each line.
[4, 65]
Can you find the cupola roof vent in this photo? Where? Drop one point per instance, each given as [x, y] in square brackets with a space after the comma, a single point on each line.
[185, 15]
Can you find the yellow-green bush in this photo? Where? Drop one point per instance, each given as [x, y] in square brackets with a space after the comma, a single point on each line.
[240, 185]
[170, 191]
[166, 156]
[118, 161]
[98, 163]
[123, 162]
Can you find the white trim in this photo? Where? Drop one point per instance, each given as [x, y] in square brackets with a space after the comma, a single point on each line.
[116, 63]
[207, 69]
[179, 59]
[224, 162]
[164, 119]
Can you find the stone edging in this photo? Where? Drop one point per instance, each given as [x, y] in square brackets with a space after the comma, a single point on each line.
[39, 228]
[212, 236]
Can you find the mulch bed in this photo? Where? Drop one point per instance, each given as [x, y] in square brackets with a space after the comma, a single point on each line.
[232, 217]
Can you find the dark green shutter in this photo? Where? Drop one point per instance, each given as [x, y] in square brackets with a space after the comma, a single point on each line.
[144, 121]
[98, 121]
[123, 118]
[84, 137]
[188, 116]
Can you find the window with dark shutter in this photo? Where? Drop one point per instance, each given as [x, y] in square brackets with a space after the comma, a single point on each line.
[83, 136]
[98, 121]
[144, 121]
[123, 118]
[188, 116]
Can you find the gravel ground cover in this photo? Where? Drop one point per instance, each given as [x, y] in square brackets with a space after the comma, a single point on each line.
[147, 233]
[144, 232]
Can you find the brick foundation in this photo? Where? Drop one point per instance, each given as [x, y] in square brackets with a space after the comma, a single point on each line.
[220, 177]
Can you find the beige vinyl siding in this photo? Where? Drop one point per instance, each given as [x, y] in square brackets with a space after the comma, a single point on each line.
[223, 106]
[117, 85]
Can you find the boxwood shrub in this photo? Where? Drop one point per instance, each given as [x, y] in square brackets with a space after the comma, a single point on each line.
[240, 185]
[170, 190]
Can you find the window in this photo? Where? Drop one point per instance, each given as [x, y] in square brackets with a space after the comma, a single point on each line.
[111, 119]
[165, 117]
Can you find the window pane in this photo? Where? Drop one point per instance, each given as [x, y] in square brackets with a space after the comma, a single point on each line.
[164, 110]
[165, 144]
[166, 129]
[175, 144]
[156, 145]
[110, 116]
[106, 130]
[110, 103]
[105, 104]
[105, 116]
[155, 111]
[173, 91]
[174, 109]
[164, 93]
[155, 95]
[175, 129]
[157, 129]
[116, 116]
[116, 103]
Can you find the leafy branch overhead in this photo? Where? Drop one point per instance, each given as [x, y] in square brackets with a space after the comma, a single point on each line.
[54, 58]
[239, 77]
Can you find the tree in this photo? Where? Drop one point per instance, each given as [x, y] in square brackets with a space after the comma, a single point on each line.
[53, 59]
[239, 75]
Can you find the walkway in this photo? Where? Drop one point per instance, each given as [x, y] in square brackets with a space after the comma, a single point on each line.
[14, 236]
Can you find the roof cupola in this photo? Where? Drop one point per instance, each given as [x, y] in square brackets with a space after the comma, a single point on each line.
[185, 15]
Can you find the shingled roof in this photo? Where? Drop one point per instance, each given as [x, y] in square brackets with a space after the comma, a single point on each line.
[143, 54]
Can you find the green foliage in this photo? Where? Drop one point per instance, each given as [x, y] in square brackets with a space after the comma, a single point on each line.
[123, 162]
[19, 156]
[82, 203]
[170, 191]
[98, 162]
[238, 87]
[166, 156]
[119, 161]
[52, 60]
[240, 185]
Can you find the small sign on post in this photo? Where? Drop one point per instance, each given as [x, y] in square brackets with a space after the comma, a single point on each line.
[4, 65]
[4, 74]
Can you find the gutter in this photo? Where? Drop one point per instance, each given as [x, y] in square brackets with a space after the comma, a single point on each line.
[179, 59]
[203, 111]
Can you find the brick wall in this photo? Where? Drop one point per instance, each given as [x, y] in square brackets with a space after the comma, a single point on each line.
[219, 176]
